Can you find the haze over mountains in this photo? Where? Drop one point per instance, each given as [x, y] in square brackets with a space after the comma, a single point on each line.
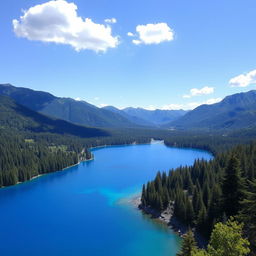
[233, 112]
[154, 118]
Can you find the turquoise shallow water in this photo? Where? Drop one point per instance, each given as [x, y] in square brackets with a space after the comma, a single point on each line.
[81, 211]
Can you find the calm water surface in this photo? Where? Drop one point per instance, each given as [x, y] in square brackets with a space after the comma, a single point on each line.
[83, 210]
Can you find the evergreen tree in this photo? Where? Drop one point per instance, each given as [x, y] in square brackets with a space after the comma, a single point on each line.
[201, 223]
[188, 245]
[248, 213]
[232, 187]
[214, 210]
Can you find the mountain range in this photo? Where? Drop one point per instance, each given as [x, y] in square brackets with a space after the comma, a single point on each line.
[81, 112]
[232, 113]
[18, 118]
[151, 118]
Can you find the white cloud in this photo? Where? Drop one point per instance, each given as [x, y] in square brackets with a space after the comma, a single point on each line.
[243, 80]
[78, 99]
[197, 92]
[137, 42]
[130, 34]
[153, 33]
[111, 21]
[58, 22]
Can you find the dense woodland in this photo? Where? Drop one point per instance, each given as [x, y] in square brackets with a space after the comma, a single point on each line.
[43, 152]
[209, 192]
[26, 154]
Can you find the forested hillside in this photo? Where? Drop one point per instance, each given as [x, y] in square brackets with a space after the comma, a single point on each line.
[79, 112]
[19, 118]
[209, 192]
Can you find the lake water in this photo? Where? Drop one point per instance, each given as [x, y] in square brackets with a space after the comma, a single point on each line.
[83, 210]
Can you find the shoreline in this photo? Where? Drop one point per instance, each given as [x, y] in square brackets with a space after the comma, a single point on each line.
[67, 167]
[152, 141]
[63, 169]
[166, 217]
[43, 174]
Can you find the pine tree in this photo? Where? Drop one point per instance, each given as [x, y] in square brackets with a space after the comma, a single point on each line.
[214, 210]
[232, 187]
[188, 245]
[189, 212]
[248, 213]
[201, 223]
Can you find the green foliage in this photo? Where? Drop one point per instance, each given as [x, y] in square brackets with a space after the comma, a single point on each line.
[200, 253]
[20, 160]
[188, 245]
[227, 240]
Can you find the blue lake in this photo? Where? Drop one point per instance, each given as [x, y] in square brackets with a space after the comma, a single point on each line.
[83, 210]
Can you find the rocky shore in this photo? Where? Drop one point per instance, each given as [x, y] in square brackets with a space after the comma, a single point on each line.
[167, 218]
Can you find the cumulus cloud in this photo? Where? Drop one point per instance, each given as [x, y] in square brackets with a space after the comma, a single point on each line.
[153, 34]
[243, 80]
[58, 22]
[197, 92]
[111, 21]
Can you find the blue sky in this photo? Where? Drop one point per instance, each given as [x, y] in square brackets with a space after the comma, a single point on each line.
[193, 52]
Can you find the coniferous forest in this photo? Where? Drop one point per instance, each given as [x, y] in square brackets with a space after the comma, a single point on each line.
[209, 192]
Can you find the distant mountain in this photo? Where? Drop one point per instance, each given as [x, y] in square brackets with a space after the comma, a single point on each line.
[233, 112]
[156, 117]
[79, 112]
[133, 119]
[19, 118]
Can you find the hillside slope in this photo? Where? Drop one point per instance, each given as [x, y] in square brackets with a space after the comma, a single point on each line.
[19, 118]
[79, 112]
[233, 112]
